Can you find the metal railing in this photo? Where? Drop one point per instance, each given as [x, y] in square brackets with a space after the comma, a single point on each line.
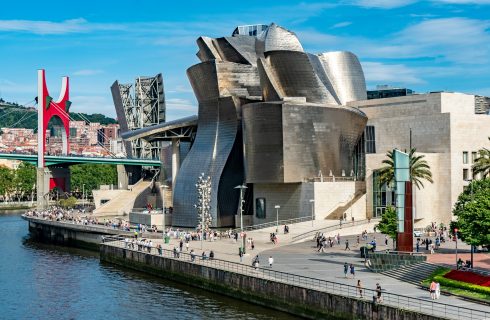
[429, 307]
[274, 223]
[314, 233]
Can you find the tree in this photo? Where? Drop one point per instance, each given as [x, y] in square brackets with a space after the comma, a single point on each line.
[69, 202]
[389, 224]
[419, 169]
[6, 182]
[92, 176]
[482, 163]
[24, 179]
[473, 213]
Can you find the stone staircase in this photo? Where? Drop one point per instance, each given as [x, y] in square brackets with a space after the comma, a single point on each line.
[124, 202]
[414, 273]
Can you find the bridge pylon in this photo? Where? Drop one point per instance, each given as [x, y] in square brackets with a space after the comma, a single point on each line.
[49, 178]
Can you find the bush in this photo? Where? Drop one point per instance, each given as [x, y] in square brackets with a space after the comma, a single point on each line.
[68, 203]
[462, 285]
[438, 276]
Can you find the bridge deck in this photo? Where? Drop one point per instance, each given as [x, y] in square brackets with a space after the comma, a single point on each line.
[58, 160]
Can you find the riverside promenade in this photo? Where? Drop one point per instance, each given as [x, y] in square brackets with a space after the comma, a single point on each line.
[300, 265]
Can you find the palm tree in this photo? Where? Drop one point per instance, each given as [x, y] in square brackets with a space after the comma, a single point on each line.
[419, 169]
[482, 163]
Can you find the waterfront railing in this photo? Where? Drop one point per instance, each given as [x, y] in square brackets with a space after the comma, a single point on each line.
[274, 224]
[429, 307]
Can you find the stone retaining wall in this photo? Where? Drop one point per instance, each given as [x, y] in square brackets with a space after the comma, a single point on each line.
[299, 301]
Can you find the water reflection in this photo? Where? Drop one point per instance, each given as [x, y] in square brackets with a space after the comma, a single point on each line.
[41, 281]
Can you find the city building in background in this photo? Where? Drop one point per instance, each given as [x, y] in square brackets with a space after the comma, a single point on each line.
[386, 91]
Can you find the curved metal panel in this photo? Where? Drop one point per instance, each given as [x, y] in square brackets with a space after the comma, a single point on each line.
[344, 71]
[296, 77]
[216, 134]
[288, 142]
[277, 38]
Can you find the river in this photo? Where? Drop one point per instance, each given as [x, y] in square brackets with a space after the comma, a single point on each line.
[41, 281]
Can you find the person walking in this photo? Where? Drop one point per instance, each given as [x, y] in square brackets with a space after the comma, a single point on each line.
[193, 255]
[386, 240]
[378, 293]
[432, 290]
[338, 238]
[347, 245]
[438, 290]
[346, 269]
[359, 288]
[358, 242]
[352, 271]
[187, 246]
[271, 261]
[255, 262]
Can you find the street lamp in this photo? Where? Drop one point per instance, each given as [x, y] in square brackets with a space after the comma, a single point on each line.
[242, 188]
[312, 201]
[277, 207]
[83, 195]
[163, 210]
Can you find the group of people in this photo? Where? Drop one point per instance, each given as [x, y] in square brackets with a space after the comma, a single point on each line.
[323, 242]
[435, 290]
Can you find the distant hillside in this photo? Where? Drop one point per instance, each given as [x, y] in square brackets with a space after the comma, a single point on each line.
[16, 116]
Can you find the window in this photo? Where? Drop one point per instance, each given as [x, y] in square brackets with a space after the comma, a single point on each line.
[474, 155]
[465, 157]
[465, 174]
[370, 135]
[260, 208]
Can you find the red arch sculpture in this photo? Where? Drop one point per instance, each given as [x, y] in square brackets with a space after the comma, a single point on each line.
[49, 108]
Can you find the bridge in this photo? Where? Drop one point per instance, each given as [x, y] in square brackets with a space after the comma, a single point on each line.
[70, 160]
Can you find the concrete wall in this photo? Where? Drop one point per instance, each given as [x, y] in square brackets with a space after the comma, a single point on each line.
[443, 126]
[294, 199]
[289, 298]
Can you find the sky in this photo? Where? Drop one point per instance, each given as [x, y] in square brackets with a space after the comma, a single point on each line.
[423, 45]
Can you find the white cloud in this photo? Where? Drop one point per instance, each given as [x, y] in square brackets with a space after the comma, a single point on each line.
[341, 24]
[377, 72]
[383, 4]
[79, 25]
[477, 2]
[178, 104]
[87, 72]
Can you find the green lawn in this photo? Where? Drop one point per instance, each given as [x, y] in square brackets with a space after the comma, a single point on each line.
[457, 287]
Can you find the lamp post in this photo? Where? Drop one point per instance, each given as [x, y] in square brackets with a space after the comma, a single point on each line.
[456, 236]
[277, 207]
[83, 195]
[242, 188]
[163, 211]
[312, 201]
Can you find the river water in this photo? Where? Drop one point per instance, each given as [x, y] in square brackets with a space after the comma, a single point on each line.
[41, 281]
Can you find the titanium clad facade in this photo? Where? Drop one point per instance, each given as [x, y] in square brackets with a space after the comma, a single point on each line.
[289, 142]
[269, 114]
[344, 71]
[215, 137]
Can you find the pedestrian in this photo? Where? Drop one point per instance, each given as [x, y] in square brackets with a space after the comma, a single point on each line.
[252, 243]
[346, 269]
[181, 245]
[417, 246]
[386, 240]
[378, 293]
[358, 240]
[359, 287]
[352, 271]
[338, 238]
[438, 290]
[347, 245]
[431, 248]
[255, 262]
[271, 261]
[432, 290]
[175, 253]
[240, 254]
[193, 255]
[211, 255]
[187, 246]
[427, 244]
